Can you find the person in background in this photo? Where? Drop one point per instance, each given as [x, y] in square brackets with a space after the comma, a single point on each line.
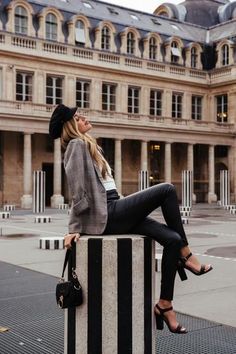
[97, 208]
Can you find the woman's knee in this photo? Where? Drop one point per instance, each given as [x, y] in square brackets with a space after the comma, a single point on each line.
[175, 240]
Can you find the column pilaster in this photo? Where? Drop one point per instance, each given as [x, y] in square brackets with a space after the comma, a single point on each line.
[190, 166]
[211, 170]
[118, 165]
[168, 162]
[26, 199]
[57, 198]
[144, 156]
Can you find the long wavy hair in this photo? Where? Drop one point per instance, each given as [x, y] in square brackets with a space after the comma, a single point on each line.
[70, 131]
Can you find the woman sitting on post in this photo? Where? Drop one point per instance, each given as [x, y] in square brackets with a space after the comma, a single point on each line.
[97, 208]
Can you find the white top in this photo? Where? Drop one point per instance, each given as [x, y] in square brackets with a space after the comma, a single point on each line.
[108, 181]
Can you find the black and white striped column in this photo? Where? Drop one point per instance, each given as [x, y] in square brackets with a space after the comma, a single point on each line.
[224, 188]
[187, 188]
[117, 274]
[39, 191]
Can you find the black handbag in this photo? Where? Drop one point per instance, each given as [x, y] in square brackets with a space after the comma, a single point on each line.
[69, 293]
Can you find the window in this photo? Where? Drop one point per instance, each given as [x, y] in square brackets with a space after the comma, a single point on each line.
[24, 86]
[51, 27]
[155, 102]
[222, 108]
[21, 20]
[108, 97]
[1, 83]
[175, 52]
[197, 107]
[80, 33]
[163, 14]
[152, 48]
[175, 27]
[82, 93]
[53, 90]
[113, 11]
[88, 5]
[225, 54]
[176, 105]
[155, 21]
[106, 38]
[130, 43]
[194, 57]
[134, 17]
[133, 100]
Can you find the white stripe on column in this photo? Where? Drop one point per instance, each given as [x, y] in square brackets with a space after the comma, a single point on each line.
[81, 344]
[109, 296]
[138, 295]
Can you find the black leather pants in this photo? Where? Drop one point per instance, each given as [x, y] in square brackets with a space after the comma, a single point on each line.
[130, 215]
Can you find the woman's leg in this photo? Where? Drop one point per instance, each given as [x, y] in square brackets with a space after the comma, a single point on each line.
[172, 243]
[126, 212]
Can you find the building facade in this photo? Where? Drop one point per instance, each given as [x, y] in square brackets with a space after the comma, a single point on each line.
[159, 89]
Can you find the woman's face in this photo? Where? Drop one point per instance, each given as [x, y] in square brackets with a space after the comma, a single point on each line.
[83, 123]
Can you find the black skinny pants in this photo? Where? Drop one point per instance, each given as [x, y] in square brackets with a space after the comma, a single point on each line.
[130, 215]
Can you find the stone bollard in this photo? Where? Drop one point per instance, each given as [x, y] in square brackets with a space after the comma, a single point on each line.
[117, 274]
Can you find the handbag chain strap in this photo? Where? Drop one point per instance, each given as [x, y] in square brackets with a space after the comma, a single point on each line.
[67, 256]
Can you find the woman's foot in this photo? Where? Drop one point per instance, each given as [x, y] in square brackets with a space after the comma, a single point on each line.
[191, 263]
[164, 312]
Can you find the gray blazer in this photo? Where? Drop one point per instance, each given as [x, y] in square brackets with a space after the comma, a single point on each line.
[89, 202]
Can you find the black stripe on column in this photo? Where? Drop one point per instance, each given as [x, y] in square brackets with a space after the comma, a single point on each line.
[125, 296]
[95, 296]
[72, 310]
[147, 296]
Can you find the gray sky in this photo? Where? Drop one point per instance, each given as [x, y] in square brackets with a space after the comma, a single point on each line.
[146, 6]
[142, 5]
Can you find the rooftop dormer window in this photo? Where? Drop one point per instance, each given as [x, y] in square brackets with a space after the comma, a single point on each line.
[87, 5]
[134, 17]
[21, 20]
[113, 11]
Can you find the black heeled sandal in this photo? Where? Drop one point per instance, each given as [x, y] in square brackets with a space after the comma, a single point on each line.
[182, 265]
[160, 319]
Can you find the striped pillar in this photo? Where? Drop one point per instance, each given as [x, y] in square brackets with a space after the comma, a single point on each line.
[117, 274]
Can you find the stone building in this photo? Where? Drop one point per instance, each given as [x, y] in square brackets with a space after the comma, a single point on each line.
[159, 89]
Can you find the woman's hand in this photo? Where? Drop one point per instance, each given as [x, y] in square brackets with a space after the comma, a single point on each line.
[69, 238]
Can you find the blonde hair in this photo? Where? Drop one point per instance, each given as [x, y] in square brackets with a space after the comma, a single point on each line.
[70, 131]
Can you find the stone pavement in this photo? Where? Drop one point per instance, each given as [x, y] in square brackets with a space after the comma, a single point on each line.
[212, 235]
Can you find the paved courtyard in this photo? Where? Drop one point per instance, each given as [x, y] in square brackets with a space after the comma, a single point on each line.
[211, 298]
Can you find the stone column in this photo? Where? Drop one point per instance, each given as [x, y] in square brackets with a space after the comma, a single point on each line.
[190, 167]
[211, 167]
[168, 162]
[118, 165]
[232, 169]
[144, 156]
[26, 199]
[57, 198]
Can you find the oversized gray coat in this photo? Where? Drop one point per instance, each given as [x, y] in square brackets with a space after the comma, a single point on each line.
[89, 203]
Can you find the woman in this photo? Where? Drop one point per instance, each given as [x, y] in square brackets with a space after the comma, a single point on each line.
[97, 208]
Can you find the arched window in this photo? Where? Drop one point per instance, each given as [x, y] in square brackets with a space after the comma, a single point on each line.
[152, 48]
[51, 27]
[130, 43]
[21, 20]
[106, 38]
[175, 52]
[80, 33]
[225, 54]
[194, 57]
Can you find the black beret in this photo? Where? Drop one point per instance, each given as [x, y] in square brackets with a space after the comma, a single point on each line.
[60, 115]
